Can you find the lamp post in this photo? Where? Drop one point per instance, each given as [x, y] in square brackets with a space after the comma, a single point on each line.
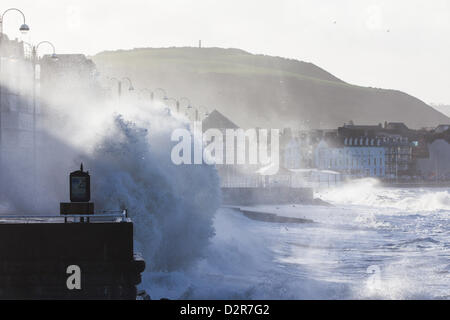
[130, 87]
[201, 110]
[24, 28]
[177, 103]
[34, 51]
[189, 107]
[35, 61]
[162, 91]
[119, 85]
[188, 102]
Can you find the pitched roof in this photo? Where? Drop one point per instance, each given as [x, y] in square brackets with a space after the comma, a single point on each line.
[217, 120]
[396, 126]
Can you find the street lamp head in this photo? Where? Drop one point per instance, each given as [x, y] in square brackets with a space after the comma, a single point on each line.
[24, 28]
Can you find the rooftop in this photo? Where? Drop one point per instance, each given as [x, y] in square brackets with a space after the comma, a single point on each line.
[217, 120]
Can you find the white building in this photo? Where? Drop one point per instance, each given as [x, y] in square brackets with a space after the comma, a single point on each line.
[357, 157]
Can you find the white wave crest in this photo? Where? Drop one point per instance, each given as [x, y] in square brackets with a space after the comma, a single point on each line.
[368, 192]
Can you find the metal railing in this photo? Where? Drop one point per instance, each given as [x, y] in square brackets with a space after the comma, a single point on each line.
[115, 216]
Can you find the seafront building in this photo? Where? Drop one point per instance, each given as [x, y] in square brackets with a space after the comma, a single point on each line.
[389, 151]
[355, 157]
[17, 108]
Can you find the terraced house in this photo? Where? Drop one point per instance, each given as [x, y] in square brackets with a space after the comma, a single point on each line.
[354, 157]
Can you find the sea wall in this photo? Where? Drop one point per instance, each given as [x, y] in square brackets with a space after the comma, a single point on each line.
[255, 196]
[36, 259]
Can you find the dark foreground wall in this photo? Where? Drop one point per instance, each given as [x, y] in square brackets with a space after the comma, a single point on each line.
[34, 259]
[255, 196]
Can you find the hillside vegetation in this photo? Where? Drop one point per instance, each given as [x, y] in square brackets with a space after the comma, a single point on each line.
[264, 91]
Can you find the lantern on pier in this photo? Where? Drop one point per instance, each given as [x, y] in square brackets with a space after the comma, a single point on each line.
[80, 186]
[80, 195]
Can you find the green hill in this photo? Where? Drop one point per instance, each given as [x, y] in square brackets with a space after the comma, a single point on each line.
[264, 91]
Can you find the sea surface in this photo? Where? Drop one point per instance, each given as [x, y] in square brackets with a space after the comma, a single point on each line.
[374, 243]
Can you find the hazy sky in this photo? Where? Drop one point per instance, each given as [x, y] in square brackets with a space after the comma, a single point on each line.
[398, 44]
